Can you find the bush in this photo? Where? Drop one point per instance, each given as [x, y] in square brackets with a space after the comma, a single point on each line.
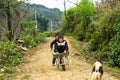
[93, 45]
[48, 34]
[104, 32]
[87, 37]
[114, 56]
[39, 38]
[79, 33]
[10, 55]
[29, 41]
[29, 27]
[33, 40]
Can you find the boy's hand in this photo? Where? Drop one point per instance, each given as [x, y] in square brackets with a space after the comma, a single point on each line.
[65, 51]
[57, 53]
[51, 49]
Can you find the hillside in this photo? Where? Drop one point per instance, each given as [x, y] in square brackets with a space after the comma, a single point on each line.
[51, 14]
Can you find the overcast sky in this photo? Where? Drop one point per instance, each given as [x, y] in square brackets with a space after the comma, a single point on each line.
[54, 3]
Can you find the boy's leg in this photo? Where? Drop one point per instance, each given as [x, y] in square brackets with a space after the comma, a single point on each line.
[53, 61]
[66, 58]
[54, 58]
[60, 60]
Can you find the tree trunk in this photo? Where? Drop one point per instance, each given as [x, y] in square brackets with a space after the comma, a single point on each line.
[10, 35]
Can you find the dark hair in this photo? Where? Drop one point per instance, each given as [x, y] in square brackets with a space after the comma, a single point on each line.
[57, 34]
[60, 36]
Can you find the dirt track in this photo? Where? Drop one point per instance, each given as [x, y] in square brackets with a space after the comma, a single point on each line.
[38, 66]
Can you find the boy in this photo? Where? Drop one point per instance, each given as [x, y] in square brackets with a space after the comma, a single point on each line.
[51, 46]
[61, 46]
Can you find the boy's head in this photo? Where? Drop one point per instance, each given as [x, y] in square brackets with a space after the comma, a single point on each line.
[56, 36]
[60, 38]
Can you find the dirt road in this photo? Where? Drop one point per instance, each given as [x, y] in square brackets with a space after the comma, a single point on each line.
[38, 66]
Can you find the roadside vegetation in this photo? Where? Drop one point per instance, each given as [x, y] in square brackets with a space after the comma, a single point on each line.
[12, 52]
[97, 27]
[17, 34]
[95, 30]
[80, 46]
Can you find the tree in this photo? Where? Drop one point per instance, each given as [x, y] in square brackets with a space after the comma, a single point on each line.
[87, 10]
[69, 20]
[11, 13]
[77, 20]
[8, 12]
[42, 23]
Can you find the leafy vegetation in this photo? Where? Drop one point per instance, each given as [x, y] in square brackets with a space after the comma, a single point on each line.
[10, 56]
[79, 19]
[17, 23]
[32, 41]
[114, 56]
[90, 56]
[97, 26]
[30, 34]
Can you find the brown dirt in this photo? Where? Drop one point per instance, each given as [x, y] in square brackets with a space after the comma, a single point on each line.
[37, 66]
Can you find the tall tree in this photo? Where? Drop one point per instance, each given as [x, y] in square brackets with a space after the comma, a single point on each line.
[87, 9]
[8, 12]
[12, 14]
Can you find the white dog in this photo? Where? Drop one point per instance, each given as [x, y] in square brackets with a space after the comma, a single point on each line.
[97, 71]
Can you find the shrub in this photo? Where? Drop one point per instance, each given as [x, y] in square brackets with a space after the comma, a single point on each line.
[10, 55]
[79, 33]
[87, 37]
[104, 32]
[48, 34]
[39, 38]
[93, 45]
[29, 41]
[29, 27]
[114, 56]
[33, 40]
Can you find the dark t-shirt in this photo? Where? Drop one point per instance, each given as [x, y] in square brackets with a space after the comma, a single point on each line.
[60, 47]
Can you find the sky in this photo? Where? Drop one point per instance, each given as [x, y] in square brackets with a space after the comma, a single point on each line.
[54, 3]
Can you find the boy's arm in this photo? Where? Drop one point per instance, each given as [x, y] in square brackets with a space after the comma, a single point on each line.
[55, 50]
[66, 46]
[52, 43]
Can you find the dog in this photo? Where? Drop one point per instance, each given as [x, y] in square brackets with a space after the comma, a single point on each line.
[97, 70]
